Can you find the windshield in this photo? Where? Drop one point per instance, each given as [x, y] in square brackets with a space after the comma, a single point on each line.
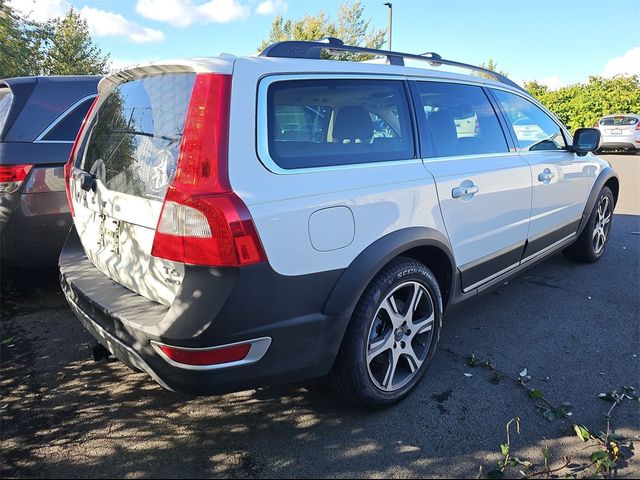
[134, 139]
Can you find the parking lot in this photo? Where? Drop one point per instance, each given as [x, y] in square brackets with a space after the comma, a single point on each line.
[574, 327]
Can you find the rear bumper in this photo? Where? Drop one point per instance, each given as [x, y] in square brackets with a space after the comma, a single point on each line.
[214, 307]
[620, 142]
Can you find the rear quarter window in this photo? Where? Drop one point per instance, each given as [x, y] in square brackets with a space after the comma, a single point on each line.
[328, 122]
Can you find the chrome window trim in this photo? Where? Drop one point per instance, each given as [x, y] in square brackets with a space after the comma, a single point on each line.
[258, 349]
[60, 118]
[262, 137]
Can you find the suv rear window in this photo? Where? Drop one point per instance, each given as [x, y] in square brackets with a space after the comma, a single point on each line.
[315, 123]
[67, 128]
[134, 139]
[618, 121]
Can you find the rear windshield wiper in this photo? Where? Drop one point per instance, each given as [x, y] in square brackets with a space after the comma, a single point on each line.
[145, 134]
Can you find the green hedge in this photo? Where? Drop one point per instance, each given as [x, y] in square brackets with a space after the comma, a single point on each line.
[583, 104]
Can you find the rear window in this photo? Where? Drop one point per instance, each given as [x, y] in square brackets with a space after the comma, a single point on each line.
[622, 121]
[6, 97]
[134, 139]
[315, 123]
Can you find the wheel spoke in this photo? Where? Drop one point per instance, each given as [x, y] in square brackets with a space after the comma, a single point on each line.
[606, 220]
[415, 300]
[387, 382]
[389, 305]
[379, 347]
[412, 359]
[424, 325]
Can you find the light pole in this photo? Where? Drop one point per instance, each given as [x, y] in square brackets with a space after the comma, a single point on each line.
[390, 5]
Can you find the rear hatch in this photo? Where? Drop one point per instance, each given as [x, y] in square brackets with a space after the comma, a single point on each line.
[618, 125]
[129, 153]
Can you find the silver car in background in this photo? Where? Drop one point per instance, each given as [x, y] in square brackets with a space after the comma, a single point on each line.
[620, 132]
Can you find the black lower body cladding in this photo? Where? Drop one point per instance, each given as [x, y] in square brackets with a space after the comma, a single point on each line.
[215, 306]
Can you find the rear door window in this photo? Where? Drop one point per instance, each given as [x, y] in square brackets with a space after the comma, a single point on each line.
[533, 128]
[66, 129]
[315, 123]
[135, 136]
[460, 120]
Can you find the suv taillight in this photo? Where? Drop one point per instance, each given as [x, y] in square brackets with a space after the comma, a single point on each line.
[203, 222]
[68, 167]
[12, 176]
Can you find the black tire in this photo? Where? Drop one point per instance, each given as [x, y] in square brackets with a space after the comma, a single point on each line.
[584, 249]
[350, 376]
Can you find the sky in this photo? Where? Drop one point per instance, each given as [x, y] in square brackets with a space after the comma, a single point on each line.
[557, 42]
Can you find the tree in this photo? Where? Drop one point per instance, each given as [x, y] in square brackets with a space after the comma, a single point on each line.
[352, 28]
[71, 50]
[493, 66]
[582, 104]
[22, 42]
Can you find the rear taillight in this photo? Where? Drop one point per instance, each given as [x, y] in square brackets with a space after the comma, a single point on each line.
[203, 222]
[638, 126]
[68, 167]
[12, 176]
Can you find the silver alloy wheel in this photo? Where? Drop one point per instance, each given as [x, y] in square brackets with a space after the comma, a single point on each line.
[400, 336]
[602, 226]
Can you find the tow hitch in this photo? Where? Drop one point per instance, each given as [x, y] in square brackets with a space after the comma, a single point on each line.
[98, 351]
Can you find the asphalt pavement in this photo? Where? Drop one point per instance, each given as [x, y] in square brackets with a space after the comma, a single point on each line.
[575, 328]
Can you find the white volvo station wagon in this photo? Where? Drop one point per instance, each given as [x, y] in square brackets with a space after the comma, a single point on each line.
[247, 221]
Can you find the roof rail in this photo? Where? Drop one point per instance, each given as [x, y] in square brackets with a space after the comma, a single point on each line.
[313, 50]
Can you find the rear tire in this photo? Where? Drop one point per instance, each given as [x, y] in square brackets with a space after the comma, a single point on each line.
[593, 240]
[392, 336]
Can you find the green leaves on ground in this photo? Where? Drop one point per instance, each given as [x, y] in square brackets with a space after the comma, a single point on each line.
[582, 432]
[536, 394]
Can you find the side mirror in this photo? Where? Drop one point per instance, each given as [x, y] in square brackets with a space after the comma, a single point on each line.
[586, 140]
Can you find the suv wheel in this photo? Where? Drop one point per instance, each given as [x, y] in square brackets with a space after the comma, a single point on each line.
[593, 240]
[392, 336]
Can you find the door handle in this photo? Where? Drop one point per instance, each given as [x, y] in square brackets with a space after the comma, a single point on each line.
[464, 191]
[545, 176]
